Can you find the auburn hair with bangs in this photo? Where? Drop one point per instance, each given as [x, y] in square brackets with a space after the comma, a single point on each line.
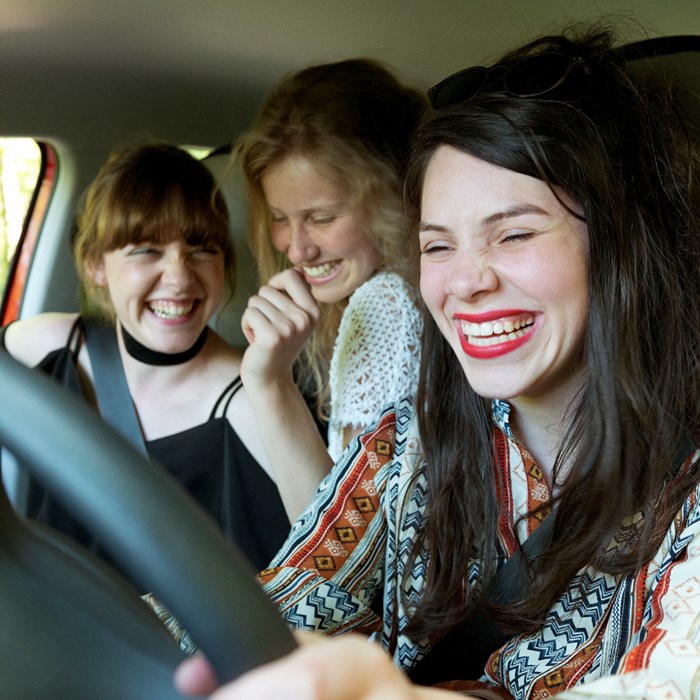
[155, 193]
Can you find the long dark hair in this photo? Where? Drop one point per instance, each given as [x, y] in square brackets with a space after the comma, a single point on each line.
[616, 145]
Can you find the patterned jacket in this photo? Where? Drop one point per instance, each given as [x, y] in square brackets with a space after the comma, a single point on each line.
[633, 636]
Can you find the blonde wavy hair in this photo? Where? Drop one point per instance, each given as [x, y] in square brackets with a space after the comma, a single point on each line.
[353, 119]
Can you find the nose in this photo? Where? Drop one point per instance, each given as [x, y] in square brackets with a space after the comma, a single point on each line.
[301, 246]
[176, 272]
[471, 276]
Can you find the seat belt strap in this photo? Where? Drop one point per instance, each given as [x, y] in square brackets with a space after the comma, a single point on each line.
[113, 397]
[464, 650]
[512, 580]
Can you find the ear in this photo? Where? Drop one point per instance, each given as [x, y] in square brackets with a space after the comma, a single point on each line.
[95, 268]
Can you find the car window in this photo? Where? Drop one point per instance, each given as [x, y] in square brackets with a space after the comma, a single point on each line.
[27, 174]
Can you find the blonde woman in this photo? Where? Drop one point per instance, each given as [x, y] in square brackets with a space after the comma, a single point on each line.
[323, 166]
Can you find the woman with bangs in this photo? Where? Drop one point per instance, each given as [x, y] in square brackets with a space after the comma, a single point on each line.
[155, 260]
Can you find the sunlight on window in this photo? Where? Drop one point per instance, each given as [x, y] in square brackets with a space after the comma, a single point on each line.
[20, 161]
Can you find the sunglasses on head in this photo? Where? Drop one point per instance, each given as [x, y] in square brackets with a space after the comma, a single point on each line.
[532, 76]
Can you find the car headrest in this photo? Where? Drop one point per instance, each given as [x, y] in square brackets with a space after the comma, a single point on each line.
[230, 180]
[677, 57]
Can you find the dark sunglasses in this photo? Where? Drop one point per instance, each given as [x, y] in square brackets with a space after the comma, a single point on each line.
[532, 76]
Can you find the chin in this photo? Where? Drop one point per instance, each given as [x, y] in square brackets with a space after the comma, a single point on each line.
[329, 296]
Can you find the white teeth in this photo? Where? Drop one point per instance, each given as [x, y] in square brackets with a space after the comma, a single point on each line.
[494, 339]
[320, 270]
[492, 333]
[170, 309]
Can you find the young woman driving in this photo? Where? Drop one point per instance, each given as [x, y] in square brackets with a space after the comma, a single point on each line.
[529, 525]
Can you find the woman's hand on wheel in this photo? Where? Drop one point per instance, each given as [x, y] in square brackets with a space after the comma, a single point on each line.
[344, 668]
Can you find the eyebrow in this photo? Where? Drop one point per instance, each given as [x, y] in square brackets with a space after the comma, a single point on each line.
[518, 210]
[513, 212]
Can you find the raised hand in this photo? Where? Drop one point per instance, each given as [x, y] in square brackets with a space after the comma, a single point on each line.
[277, 323]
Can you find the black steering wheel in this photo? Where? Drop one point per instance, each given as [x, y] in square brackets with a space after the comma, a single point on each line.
[70, 627]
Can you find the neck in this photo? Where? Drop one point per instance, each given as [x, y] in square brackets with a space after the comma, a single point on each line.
[161, 359]
[540, 436]
[541, 426]
[541, 430]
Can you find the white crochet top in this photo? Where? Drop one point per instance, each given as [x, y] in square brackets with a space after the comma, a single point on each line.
[376, 355]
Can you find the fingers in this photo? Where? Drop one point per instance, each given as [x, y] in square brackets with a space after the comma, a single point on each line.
[277, 306]
[347, 668]
[282, 309]
[272, 318]
[292, 283]
[195, 676]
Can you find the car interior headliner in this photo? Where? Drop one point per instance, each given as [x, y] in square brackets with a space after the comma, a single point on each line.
[198, 70]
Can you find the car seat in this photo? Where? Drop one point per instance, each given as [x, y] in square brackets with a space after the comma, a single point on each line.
[230, 180]
[677, 57]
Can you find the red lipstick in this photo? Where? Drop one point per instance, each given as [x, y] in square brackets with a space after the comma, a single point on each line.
[501, 341]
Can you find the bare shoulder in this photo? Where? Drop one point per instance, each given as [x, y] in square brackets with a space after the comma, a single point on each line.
[30, 340]
[228, 358]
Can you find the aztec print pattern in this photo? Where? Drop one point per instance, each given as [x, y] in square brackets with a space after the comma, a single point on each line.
[636, 636]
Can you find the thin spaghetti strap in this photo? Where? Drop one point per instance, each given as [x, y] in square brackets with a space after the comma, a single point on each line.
[75, 338]
[225, 398]
[74, 342]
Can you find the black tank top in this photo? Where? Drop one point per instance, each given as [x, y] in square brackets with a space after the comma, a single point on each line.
[209, 460]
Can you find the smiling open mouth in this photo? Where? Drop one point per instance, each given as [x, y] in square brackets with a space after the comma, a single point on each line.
[322, 271]
[171, 309]
[486, 340]
[495, 332]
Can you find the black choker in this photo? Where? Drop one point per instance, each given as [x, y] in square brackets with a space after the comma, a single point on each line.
[161, 359]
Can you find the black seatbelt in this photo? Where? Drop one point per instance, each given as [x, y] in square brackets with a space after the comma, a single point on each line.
[113, 397]
[462, 653]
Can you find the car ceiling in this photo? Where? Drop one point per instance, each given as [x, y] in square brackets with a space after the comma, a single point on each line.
[197, 70]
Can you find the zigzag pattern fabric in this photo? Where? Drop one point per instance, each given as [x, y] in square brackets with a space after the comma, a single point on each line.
[635, 636]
